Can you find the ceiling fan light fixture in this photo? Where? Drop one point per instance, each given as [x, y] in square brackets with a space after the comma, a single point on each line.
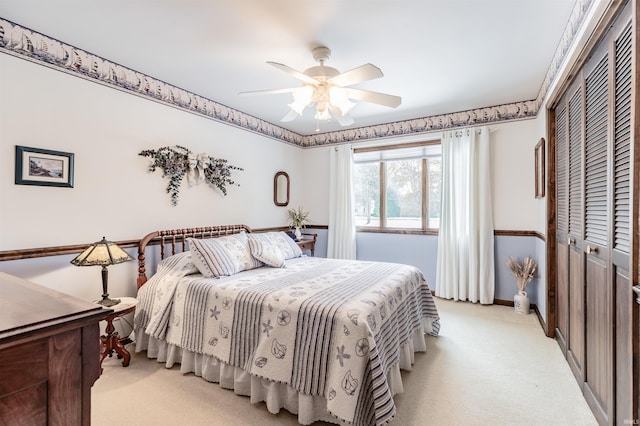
[339, 98]
[302, 98]
[329, 90]
[322, 114]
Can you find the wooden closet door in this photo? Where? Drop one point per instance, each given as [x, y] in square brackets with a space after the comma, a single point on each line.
[596, 221]
[598, 387]
[576, 337]
[621, 225]
[562, 227]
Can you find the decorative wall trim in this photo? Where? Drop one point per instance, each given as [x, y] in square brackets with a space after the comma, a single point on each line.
[24, 43]
[576, 19]
[77, 248]
[514, 233]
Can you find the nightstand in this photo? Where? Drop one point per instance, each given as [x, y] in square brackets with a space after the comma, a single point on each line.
[111, 340]
[308, 243]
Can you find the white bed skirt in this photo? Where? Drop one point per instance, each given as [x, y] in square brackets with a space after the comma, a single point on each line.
[275, 395]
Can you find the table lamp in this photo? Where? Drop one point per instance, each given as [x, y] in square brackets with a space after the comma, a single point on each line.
[103, 253]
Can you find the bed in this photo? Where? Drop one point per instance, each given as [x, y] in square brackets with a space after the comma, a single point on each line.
[324, 339]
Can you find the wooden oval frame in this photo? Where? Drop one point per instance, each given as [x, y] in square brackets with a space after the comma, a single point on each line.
[275, 189]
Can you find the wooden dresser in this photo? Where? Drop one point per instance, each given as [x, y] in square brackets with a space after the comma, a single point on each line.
[49, 354]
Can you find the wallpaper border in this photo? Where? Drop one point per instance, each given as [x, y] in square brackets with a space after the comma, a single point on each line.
[24, 43]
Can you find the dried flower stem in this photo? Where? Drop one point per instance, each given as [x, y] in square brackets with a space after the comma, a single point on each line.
[524, 273]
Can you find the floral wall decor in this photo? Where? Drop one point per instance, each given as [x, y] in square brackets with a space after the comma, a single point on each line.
[177, 162]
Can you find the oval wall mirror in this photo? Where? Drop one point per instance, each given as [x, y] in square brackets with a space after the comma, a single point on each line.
[281, 189]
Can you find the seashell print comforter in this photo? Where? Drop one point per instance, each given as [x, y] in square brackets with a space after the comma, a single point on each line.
[327, 327]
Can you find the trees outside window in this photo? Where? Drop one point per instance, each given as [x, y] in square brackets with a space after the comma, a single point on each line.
[395, 192]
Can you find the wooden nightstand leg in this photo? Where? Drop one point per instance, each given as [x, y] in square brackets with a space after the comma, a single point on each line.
[111, 342]
[106, 342]
[121, 350]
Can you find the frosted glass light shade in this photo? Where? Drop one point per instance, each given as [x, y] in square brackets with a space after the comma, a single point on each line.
[102, 253]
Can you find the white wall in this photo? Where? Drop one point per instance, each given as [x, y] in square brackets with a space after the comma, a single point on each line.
[114, 195]
[512, 174]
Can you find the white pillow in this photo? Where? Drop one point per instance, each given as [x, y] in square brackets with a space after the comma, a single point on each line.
[285, 244]
[179, 261]
[223, 256]
[267, 252]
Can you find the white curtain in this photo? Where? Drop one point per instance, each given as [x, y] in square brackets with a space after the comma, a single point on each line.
[465, 268]
[341, 242]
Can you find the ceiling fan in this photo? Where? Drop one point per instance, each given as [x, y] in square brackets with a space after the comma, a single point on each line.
[327, 88]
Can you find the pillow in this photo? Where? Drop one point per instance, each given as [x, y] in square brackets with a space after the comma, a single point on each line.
[223, 256]
[288, 248]
[266, 252]
[180, 261]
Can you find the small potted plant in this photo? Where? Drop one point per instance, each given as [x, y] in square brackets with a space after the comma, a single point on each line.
[298, 218]
[523, 273]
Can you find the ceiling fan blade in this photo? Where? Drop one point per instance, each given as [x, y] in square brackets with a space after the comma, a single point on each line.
[294, 73]
[343, 120]
[374, 97]
[357, 75]
[267, 92]
[291, 115]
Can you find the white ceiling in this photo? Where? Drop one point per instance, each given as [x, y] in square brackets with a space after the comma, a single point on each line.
[440, 56]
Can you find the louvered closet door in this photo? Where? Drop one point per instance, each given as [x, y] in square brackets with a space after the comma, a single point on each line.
[596, 316]
[621, 224]
[576, 334]
[562, 226]
[599, 293]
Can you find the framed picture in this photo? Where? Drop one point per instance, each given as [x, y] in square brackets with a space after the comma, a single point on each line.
[43, 167]
[539, 167]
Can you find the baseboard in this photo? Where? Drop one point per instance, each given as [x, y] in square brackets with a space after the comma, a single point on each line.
[541, 320]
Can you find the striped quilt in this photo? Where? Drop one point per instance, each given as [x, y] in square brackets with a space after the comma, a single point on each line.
[326, 327]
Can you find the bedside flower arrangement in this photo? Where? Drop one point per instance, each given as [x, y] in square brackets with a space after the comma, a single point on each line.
[177, 161]
[298, 218]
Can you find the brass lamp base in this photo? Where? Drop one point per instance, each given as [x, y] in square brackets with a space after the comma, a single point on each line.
[108, 302]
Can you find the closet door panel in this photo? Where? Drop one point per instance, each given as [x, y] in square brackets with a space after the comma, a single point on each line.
[624, 345]
[598, 287]
[599, 376]
[562, 295]
[576, 346]
[562, 228]
[576, 337]
[621, 223]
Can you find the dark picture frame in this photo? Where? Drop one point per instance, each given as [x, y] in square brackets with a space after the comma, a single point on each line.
[281, 189]
[44, 167]
[540, 169]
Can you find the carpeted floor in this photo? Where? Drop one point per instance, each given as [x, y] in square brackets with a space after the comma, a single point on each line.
[489, 366]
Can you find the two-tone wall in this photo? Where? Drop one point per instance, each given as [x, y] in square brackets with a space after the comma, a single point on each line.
[115, 196]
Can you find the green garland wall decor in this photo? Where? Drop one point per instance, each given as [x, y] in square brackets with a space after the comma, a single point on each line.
[177, 162]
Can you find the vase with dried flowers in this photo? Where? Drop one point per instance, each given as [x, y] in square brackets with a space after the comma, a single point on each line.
[523, 273]
[298, 218]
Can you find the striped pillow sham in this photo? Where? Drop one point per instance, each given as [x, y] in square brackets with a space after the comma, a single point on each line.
[222, 256]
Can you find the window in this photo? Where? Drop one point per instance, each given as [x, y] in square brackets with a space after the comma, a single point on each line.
[398, 186]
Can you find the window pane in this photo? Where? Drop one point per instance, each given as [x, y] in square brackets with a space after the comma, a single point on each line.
[366, 194]
[404, 194]
[435, 194]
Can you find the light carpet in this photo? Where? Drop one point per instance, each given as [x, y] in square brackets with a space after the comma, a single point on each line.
[489, 366]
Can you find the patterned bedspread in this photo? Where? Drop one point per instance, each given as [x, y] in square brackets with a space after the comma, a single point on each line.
[326, 327]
